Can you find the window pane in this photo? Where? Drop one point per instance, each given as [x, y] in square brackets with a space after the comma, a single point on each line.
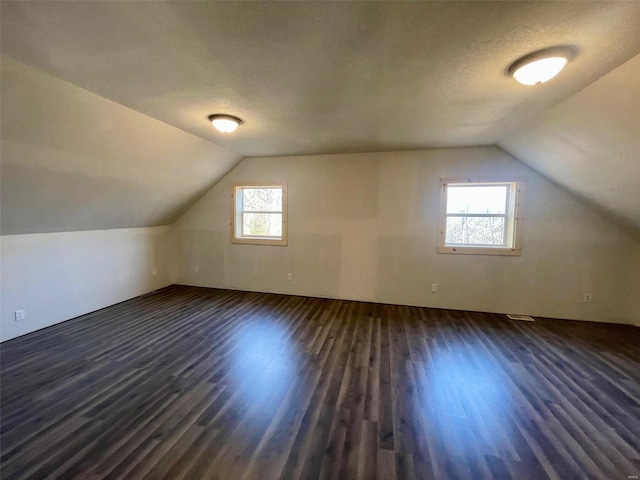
[475, 230]
[262, 199]
[262, 224]
[489, 199]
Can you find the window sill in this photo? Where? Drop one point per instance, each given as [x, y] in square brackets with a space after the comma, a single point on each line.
[260, 241]
[513, 252]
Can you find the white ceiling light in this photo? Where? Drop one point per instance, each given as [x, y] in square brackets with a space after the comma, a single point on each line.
[225, 123]
[539, 71]
[542, 66]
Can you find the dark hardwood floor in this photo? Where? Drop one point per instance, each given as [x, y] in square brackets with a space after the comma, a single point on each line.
[198, 383]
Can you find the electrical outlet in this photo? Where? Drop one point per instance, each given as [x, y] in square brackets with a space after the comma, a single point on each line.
[20, 315]
[434, 287]
[289, 276]
[154, 271]
[587, 297]
[196, 269]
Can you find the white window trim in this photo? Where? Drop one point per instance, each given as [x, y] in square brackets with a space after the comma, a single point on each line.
[251, 240]
[516, 195]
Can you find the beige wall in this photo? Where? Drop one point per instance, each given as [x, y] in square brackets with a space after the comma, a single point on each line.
[364, 227]
[58, 276]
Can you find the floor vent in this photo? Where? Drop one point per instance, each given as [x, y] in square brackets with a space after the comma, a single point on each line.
[524, 318]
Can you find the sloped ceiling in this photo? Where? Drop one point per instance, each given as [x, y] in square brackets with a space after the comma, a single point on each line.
[590, 144]
[306, 77]
[72, 160]
[322, 77]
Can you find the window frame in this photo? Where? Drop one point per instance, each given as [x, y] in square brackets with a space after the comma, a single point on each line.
[513, 218]
[236, 216]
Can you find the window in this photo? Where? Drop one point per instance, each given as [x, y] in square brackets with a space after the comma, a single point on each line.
[259, 213]
[480, 217]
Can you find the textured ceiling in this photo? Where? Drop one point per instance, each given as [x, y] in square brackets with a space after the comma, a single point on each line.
[307, 77]
[322, 77]
[72, 160]
[590, 144]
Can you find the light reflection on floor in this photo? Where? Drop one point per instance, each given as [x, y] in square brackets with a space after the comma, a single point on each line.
[466, 396]
[264, 365]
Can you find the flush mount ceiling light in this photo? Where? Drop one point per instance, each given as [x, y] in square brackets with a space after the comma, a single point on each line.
[224, 123]
[541, 66]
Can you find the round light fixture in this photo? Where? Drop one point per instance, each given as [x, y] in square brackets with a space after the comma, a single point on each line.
[225, 123]
[541, 66]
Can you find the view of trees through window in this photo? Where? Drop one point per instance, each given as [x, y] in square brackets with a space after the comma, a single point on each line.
[475, 230]
[262, 212]
[476, 215]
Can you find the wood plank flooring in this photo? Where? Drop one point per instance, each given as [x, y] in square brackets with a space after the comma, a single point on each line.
[194, 383]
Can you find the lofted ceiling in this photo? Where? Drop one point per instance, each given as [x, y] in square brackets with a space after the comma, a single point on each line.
[590, 144]
[307, 78]
[322, 77]
[72, 160]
